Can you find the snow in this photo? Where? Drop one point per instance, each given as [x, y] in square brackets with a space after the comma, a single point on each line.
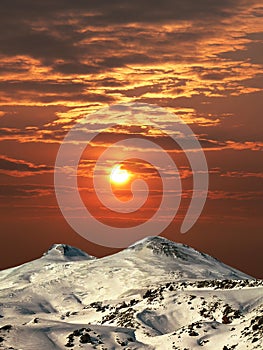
[156, 294]
[66, 252]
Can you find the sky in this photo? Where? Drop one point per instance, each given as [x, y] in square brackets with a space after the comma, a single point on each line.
[201, 60]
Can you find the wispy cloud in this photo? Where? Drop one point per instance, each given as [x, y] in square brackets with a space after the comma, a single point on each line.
[14, 192]
[21, 168]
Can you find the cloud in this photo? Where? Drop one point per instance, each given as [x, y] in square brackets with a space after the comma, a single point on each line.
[24, 191]
[122, 11]
[50, 91]
[82, 38]
[21, 168]
[235, 195]
[24, 116]
[101, 52]
[242, 174]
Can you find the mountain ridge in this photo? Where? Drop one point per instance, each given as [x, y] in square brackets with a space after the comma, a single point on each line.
[157, 245]
[154, 295]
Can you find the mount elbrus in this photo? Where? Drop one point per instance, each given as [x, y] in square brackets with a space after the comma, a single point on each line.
[156, 294]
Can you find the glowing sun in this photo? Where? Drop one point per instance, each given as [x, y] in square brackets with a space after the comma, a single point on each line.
[118, 175]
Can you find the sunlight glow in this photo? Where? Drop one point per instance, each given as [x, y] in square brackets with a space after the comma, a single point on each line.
[118, 175]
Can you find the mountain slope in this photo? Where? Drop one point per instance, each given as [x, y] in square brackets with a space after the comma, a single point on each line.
[156, 294]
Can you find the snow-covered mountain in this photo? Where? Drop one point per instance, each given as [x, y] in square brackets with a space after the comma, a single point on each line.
[156, 294]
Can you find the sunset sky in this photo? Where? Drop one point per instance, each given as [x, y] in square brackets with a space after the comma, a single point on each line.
[202, 60]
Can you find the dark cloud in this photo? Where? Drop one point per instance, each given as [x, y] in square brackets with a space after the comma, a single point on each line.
[18, 66]
[25, 191]
[120, 11]
[240, 196]
[11, 132]
[138, 91]
[110, 82]
[48, 33]
[37, 45]
[75, 46]
[21, 117]
[217, 74]
[14, 165]
[75, 68]
[253, 52]
[242, 113]
[87, 97]
[50, 92]
[47, 86]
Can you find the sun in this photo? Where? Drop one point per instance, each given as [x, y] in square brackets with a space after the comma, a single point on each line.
[118, 175]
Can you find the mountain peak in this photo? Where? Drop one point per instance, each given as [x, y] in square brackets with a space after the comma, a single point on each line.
[180, 257]
[163, 246]
[66, 252]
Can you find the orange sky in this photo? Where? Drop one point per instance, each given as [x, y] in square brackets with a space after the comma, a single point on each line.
[199, 59]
